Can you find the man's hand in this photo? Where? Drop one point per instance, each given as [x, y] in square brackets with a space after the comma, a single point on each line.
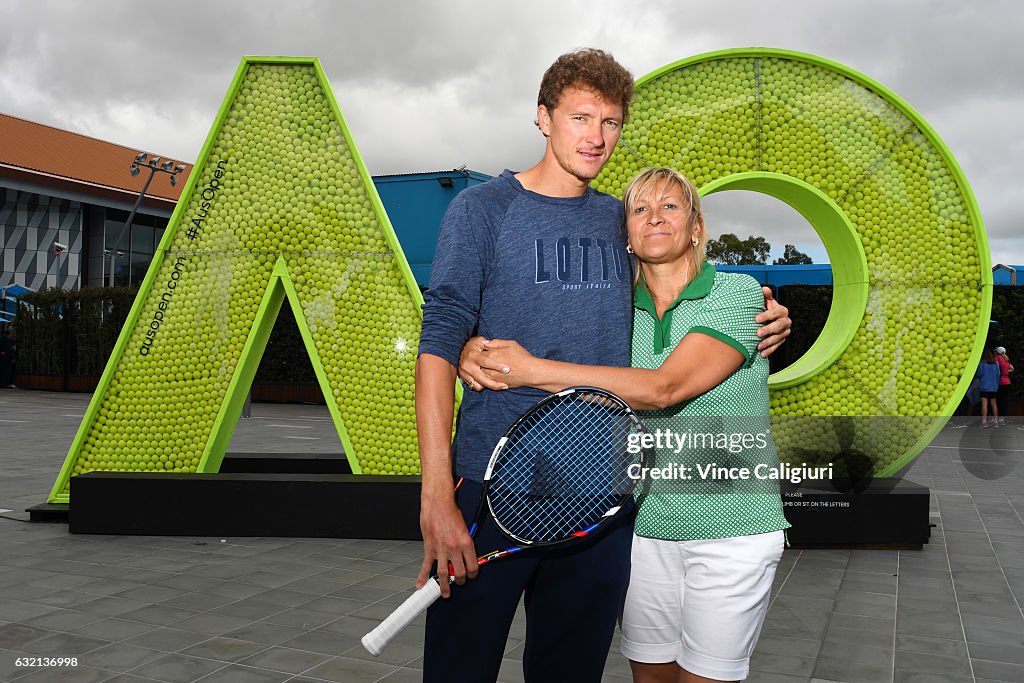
[445, 538]
[446, 541]
[473, 366]
[778, 327]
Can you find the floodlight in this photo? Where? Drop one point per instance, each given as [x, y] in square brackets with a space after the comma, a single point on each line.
[154, 164]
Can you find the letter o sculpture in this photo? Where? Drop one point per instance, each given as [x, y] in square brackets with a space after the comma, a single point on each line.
[912, 281]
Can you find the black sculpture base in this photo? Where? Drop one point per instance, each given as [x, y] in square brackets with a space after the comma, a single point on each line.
[285, 463]
[276, 495]
[876, 513]
[48, 512]
[295, 495]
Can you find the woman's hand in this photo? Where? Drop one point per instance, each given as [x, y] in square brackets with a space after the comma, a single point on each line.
[494, 364]
[775, 324]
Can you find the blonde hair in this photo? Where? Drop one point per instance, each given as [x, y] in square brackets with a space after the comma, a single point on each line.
[645, 183]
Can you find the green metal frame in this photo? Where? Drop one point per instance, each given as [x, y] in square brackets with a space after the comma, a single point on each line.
[845, 251]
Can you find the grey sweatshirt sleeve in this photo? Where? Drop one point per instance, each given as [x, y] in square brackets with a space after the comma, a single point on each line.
[452, 303]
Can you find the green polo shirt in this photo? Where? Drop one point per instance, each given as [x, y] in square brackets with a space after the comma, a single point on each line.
[714, 469]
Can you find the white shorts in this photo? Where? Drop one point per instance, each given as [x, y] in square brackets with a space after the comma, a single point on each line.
[700, 604]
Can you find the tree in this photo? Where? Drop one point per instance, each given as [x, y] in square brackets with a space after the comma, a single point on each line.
[730, 250]
[792, 257]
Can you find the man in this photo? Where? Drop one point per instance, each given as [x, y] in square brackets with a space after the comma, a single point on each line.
[539, 257]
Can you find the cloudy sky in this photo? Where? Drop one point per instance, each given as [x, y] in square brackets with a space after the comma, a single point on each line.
[433, 85]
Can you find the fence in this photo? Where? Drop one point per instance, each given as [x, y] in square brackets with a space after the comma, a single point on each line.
[65, 338]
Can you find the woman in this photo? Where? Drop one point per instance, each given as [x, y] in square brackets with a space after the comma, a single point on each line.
[1003, 394]
[707, 543]
[989, 374]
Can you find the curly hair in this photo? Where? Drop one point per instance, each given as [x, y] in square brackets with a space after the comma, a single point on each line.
[590, 69]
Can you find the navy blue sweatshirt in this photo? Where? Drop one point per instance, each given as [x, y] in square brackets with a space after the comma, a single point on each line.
[549, 272]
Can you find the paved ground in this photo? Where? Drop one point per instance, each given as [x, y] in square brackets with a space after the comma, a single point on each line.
[276, 609]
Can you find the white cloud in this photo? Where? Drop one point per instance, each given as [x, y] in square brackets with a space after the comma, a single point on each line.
[428, 84]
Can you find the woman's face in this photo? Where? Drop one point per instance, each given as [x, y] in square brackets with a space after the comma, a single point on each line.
[661, 226]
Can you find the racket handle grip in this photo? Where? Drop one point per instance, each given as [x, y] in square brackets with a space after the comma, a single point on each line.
[416, 604]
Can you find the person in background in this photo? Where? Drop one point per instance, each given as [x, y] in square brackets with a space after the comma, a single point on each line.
[1005, 368]
[967, 404]
[988, 373]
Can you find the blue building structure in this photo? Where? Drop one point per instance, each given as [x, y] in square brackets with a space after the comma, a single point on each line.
[821, 274]
[416, 203]
[1007, 275]
[9, 302]
[780, 276]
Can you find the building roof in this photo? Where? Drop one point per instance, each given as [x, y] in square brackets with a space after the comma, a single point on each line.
[401, 177]
[53, 157]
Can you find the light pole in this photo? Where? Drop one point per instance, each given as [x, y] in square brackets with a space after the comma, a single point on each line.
[153, 164]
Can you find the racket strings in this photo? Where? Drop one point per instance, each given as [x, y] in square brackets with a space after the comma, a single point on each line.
[563, 468]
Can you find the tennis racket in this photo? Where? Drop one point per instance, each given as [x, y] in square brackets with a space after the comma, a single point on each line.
[559, 474]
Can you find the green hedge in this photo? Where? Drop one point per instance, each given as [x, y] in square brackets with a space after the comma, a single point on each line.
[74, 331]
[285, 359]
[809, 306]
[1008, 331]
[70, 331]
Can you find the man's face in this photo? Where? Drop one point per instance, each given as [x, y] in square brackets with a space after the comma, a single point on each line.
[582, 131]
